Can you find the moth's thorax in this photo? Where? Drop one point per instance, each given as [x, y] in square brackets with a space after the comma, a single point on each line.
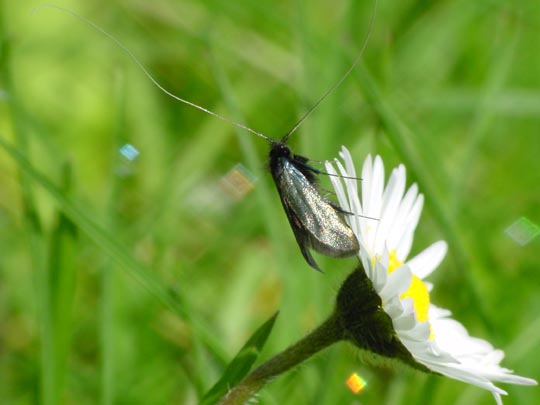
[279, 152]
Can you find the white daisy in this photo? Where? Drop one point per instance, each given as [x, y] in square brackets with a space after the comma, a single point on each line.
[432, 338]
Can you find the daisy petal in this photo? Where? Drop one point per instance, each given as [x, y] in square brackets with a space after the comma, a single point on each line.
[423, 264]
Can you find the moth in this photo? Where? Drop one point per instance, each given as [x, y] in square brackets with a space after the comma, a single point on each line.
[317, 223]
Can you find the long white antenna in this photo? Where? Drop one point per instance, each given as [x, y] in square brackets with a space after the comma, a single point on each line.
[145, 71]
[228, 120]
[338, 83]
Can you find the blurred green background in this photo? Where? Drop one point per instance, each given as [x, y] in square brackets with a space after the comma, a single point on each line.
[135, 282]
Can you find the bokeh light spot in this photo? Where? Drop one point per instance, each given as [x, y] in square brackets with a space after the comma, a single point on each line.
[129, 151]
[522, 231]
[238, 182]
[356, 383]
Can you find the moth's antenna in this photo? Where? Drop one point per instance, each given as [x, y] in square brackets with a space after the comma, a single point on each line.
[145, 71]
[338, 83]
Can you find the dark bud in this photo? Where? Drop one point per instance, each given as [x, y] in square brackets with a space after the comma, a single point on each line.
[366, 324]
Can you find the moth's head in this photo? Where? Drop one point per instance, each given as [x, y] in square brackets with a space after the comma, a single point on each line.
[280, 149]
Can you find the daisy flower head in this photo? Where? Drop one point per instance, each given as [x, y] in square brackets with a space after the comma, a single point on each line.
[409, 327]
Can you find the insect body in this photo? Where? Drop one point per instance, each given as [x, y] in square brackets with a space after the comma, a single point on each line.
[317, 223]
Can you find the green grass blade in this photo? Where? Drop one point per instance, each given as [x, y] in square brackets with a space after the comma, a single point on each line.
[503, 57]
[242, 362]
[34, 234]
[61, 292]
[116, 250]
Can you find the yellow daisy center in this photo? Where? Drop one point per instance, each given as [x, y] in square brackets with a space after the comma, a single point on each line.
[417, 291]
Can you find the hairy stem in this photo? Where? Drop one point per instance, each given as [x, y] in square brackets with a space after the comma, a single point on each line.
[326, 334]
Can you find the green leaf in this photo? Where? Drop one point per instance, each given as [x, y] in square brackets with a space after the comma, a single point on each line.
[241, 364]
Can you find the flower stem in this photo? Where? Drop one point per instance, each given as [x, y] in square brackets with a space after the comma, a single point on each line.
[328, 333]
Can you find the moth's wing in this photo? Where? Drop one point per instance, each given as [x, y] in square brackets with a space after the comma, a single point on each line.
[326, 231]
[315, 222]
[290, 184]
[300, 233]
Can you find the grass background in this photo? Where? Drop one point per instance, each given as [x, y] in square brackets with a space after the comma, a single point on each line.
[136, 282]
